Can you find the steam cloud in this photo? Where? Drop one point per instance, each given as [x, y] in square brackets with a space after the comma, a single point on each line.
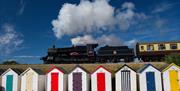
[104, 39]
[98, 17]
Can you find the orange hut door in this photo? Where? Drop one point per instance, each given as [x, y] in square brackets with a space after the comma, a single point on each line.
[174, 82]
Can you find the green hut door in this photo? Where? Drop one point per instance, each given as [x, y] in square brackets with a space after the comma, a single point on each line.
[9, 83]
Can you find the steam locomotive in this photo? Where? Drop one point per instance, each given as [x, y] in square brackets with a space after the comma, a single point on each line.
[89, 53]
[92, 53]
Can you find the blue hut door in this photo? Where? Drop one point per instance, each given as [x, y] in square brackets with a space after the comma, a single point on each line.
[150, 79]
[77, 81]
[9, 82]
[125, 80]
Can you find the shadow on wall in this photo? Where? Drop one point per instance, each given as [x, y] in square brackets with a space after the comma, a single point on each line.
[2, 88]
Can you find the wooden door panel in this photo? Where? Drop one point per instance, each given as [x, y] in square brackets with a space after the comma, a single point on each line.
[150, 81]
[125, 80]
[174, 82]
[29, 82]
[101, 82]
[9, 83]
[77, 81]
[54, 81]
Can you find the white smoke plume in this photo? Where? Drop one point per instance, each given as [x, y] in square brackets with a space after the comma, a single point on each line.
[102, 40]
[94, 18]
[81, 40]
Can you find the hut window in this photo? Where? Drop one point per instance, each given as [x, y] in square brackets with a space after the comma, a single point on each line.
[173, 46]
[161, 47]
[150, 47]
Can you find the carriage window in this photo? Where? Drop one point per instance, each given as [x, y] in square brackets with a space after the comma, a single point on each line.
[142, 47]
[173, 46]
[150, 47]
[161, 47]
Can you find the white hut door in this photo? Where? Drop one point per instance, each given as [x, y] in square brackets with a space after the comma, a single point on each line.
[29, 82]
[125, 80]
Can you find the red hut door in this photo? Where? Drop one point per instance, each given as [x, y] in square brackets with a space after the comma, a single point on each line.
[54, 81]
[101, 82]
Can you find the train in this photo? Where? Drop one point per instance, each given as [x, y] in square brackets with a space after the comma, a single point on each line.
[93, 53]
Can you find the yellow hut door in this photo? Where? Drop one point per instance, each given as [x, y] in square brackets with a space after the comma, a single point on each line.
[29, 82]
[174, 82]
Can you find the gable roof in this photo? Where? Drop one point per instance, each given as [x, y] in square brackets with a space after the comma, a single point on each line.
[77, 66]
[17, 71]
[146, 66]
[38, 71]
[54, 67]
[101, 67]
[170, 65]
[123, 67]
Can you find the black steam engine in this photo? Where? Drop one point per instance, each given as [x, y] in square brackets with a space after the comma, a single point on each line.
[89, 53]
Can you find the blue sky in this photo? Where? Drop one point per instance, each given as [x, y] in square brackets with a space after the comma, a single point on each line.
[29, 27]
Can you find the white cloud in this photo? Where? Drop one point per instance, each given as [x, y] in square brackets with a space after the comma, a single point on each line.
[88, 17]
[162, 7]
[128, 5]
[83, 18]
[10, 40]
[26, 56]
[102, 40]
[128, 17]
[159, 23]
[22, 5]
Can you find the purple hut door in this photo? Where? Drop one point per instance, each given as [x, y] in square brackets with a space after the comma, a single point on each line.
[77, 81]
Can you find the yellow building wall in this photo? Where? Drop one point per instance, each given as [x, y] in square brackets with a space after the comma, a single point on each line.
[155, 47]
[178, 46]
[167, 45]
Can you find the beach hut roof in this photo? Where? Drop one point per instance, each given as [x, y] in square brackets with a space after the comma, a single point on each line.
[170, 65]
[101, 67]
[144, 67]
[77, 66]
[124, 66]
[18, 71]
[38, 71]
[54, 67]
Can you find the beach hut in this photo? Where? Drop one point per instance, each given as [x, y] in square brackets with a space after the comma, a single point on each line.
[56, 80]
[78, 80]
[11, 80]
[101, 80]
[1, 72]
[171, 78]
[126, 79]
[149, 78]
[32, 80]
